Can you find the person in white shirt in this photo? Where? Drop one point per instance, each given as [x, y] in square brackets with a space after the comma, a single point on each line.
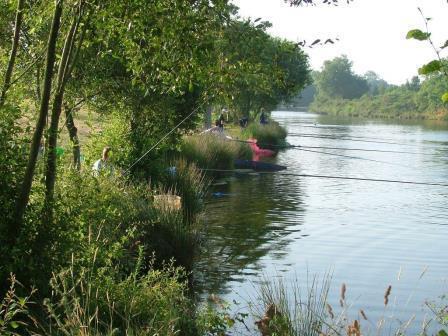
[103, 164]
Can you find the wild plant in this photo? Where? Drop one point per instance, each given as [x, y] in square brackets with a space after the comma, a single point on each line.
[15, 315]
[285, 310]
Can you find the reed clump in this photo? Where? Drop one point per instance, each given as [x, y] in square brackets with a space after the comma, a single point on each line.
[270, 136]
[285, 309]
[209, 151]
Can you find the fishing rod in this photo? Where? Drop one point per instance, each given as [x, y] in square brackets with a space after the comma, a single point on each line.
[342, 135]
[351, 157]
[302, 148]
[347, 139]
[440, 184]
[358, 149]
[167, 134]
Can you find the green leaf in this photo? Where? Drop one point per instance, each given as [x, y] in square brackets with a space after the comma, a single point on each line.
[442, 333]
[445, 97]
[431, 67]
[417, 34]
[445, 45]
[14, 324]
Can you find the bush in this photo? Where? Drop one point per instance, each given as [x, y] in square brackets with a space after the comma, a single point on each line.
[270, 136]
[213, 152]
[13, 156]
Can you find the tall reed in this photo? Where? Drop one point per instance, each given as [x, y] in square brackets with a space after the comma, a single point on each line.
[269, 136]
[214, 152]
[286, 310]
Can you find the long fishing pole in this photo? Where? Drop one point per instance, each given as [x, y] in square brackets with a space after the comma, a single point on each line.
[440, 184]
[348, 139]
[342, 135]
[357, 149]
[166, 135]
[326, 153]
[351, 157]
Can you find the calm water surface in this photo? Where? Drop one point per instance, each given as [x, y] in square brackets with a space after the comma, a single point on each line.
[369, 235]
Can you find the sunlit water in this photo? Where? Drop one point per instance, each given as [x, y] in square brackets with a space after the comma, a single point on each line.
[369, 235]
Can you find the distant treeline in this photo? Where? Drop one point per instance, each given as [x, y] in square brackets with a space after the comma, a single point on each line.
[338, 90]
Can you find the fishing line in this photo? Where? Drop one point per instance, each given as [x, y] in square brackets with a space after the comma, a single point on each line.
[166, 135]
[334, 177]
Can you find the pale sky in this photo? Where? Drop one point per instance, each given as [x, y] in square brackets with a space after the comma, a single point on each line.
[372, 33]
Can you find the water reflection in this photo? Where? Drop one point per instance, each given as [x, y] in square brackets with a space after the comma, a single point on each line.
[253, 216]
[366, 232]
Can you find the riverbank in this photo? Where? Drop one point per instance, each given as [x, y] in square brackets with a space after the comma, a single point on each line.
[220, 150]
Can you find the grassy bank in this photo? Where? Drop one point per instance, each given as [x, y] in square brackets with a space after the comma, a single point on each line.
[210, 151]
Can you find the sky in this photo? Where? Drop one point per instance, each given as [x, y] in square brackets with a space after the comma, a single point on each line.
[372, 33]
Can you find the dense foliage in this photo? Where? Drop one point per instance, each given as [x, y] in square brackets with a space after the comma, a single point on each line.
[137, 75]
[337, 80]
[336, 90]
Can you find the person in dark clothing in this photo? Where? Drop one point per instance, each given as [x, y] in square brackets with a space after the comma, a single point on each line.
[243, 122]
[263, 118]
[220, 123]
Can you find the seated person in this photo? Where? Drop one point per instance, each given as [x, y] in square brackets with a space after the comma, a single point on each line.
[243, 122]
[263, 118]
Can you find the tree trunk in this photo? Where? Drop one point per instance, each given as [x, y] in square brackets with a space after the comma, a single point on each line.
[12, 56]
[73, 133]
[38, 89]
[50, 174]
[23, 197]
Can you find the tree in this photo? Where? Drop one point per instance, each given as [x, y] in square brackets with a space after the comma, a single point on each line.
[14, 47]
[338, 80]
[438, 65]
[414, 84]
[23, 198]
[376, 84]
[257, 70]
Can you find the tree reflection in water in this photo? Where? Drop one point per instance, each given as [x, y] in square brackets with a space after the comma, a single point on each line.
[252, 218]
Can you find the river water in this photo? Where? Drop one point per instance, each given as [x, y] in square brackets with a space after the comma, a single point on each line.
[368, 235]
